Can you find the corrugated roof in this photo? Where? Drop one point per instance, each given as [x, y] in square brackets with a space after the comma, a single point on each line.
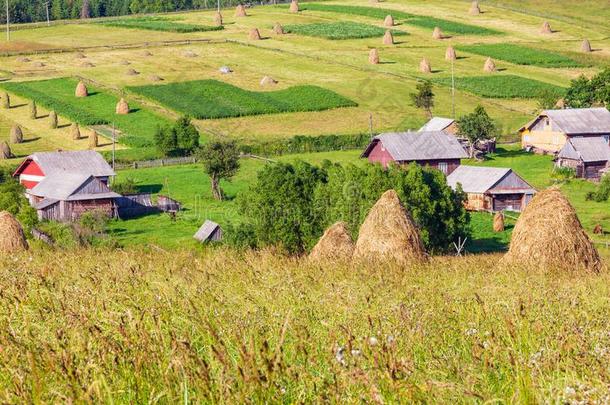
[574, 121]
[436, 124]
[476, 179]
[81, 162]
[64, 187]
[431, 145]
[45, 203]
[206, 230]
[589, 149]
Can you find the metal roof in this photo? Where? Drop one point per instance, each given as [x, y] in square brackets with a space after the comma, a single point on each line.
[589, 149]
[436, 124]
[206, 231]
[476, 179]
[575, 121]
[83, 162]
[47, 202]
[65, 186]
[431, 145]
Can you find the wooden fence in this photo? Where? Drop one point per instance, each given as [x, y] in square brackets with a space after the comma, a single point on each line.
[156, 163]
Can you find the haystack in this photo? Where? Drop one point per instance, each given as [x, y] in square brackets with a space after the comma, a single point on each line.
[546, 28]
[450, 54]
[437, 33]
[489, 66]
[560, 104]
[23, 60]
[424, 66]
[190, 54]
[33, 110]
[5, 151]
[80, 55]
[218, 19]
[585, 46]
[294, 6]
[87, 64]
[278, 29]
[268, 81]
[6, 101]
[12, 238]
[122, 108]
[124, 63]
[132, 72]
[548, 235]
[374, 56]
[93, 140]
[52, 120]
[16, 135]
[498, 222]
[81, 90]
[155, 78]
[147, 53]
[38, 64]
[335, 245]
[240, 11]
[598, 230]
[474, 8]
[254, 35]
[388, 21]
[75, 131]
[389, 233]
[388, 38]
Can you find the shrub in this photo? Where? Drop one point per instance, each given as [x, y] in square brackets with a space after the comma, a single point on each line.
[563, 173]
[128, 186]
[502, 86]
[339, 30]
[603, 190]
[12, 199]
[521, 55]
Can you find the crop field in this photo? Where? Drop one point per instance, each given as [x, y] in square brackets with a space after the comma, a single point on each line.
[339, 30]
[214, 99]
[158, 24]
[521, 55]
[503, 86]
[98, 108]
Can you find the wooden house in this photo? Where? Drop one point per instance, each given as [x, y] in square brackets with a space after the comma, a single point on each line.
[66, 198]
[491, 188]
[588, 156]
[209, 232]
[438, 150]
[436, 124]
[551, 129]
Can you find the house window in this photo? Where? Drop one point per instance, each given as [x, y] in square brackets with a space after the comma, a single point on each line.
[442, 166]
[607, 139]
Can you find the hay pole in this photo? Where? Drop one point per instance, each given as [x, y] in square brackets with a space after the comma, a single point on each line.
[459, 247]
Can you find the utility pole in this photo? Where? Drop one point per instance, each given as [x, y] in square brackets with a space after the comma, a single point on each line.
[48, 20]
[371, 125]
[452, 91]
[8, 26]
[218, 6]
[113, 146]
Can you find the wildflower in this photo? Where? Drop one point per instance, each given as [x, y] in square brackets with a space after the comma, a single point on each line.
[339, 356]
[471, 332]
[390, 339]
[373, 341]
[569, 391]
[355, 352]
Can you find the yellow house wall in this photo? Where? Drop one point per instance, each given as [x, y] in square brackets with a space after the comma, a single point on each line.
[550, 141]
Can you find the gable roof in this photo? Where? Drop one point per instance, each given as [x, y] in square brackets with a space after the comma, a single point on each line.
[575, 121]
[71, 187]
[436, 124]
[587, 149]
[477, 179]
[408, 146]
[87, 162]
[206, 231]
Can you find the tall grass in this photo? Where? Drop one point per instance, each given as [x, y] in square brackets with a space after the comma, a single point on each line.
[213, 99]
[521, 55]
[105, 326]
[502, 86]
[339, 30]
[158, 24]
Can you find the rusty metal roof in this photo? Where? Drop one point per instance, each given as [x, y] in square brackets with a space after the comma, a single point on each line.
[587, 149]
[409, 146]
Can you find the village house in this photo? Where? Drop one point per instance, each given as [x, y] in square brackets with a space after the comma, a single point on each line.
[436, 124]
[588, 156]
[433, 149]
[491, 188]
[551, 129]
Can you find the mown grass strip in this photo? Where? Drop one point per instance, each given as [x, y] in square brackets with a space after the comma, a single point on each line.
[447, 26]
[98, 108]
[158, 24]
[502, 86]
[521, 55]
[205, 99]
[339, 30]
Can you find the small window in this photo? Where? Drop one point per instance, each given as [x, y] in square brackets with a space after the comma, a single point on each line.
[442, 166]
[607, 139]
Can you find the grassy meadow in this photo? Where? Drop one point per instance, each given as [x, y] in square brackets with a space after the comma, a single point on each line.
[502, 86]
[521, 55]
[339, 30]
[158, 24]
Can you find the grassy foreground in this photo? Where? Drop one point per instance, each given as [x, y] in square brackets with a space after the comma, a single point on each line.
[141, 327]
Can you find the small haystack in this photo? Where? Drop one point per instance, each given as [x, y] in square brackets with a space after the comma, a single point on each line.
[155, 78]
[546, 28]
[424, 66]
[12, 238]
[268, 81]
[560, 104]
[585, 46]
[122, 108]
[548, 235]
[278, 29]
[294, 6]
[474, 8]
[87, 64]
[81, 90]
[450, 54]
[93, 140]
[6, 101]
[218, 19]
[38, 64]
[374, 56]
[335, 245]
[5, 151]
[437, 33]
[124, 63]
[388, 21]
[147, 53]
[16, 135]
[33, 110]
[254, 35]
[132, 72]
[240, 11]
[52, 120]
[190, 54]
[80, 55]
[389, 233]
[489, 66]
[388, 38]
[598, 230]
[75, 131]
[498, 225]
[23, 60]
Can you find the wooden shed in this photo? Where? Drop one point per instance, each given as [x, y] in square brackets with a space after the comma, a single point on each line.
[209, 232]
[448, 125]
[588, 156]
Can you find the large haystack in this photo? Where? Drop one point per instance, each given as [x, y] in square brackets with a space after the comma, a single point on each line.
[218, 19]
[388, 38]
[585, 46]
[335, 245]
[424, 66]
[268, 81]
[75, 132]
[122, 108]
[546, 28]
[240, 11]
[12, 238]
[254, 34]
[548, 235]
[278, 29]
[388, 21]
[490, 66]
[450, 54]
[498, 225]
[437, 33]
[52, 120]
[16, 135]
[5, 151]
[294, 6]
[475, 9]
[389, 233]
[93, 139]
[81, 90]
[374, 56]
[6, 101]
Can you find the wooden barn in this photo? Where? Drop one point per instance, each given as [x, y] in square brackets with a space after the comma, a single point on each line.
[588, 156]
[492, 188]
[66, 198]
[551, 129]
[437, 124]
[209, 232]
[438, 150]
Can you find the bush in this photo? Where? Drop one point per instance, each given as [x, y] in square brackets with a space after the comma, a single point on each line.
[603, 190]
[128, 186]
[563, 173]
[339, 30]
[12, 199]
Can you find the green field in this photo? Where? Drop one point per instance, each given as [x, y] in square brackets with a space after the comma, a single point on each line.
[204, 99]
[502, 86]
[339, 30]
[158, 24]
[98, 108]
[521, 55]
